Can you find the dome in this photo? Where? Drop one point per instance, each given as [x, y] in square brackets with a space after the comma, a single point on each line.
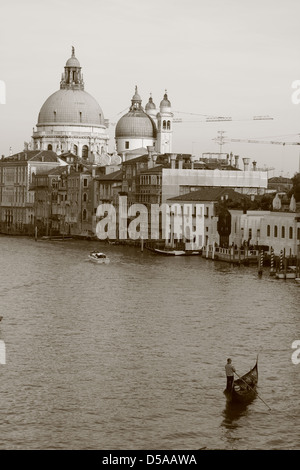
[136, 123]
[71, 106]
[165, 103]
[72, 62]
[150, 104]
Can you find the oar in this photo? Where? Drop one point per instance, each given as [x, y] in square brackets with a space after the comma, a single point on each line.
[253, 390]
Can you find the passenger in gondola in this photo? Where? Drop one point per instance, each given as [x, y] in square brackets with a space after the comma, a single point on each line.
[230, 370]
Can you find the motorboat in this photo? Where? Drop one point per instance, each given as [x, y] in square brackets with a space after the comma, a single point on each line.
[98, 257]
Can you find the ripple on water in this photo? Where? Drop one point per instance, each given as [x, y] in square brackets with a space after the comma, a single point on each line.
[131, 355]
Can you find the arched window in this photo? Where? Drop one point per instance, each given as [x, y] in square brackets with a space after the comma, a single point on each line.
[283, 232]
[164, 124]
[268, 230]
[49, 147]
[84, 197]
[291, 234]
[168, 125]
[75, 149]
[275, 231]
[84, 214]
[85, 152]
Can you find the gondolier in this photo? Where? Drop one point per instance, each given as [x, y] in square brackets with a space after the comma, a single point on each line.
[230, 370]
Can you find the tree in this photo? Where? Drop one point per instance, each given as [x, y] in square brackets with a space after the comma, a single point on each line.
[296, 187]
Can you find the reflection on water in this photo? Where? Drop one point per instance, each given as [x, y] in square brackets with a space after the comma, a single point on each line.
[232, 414]
[131, 355]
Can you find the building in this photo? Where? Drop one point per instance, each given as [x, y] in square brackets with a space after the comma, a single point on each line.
[140, 128]
[72, 120]
[270, 229]
[17, 213]
[202, 218]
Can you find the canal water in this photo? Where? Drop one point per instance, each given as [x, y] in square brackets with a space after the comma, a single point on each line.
[131, 355]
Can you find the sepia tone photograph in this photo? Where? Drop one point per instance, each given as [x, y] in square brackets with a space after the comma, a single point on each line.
[150, 228]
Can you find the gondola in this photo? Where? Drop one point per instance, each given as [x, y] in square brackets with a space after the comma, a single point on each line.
[244, 388]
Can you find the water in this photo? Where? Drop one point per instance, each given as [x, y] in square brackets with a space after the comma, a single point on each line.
[131, 355]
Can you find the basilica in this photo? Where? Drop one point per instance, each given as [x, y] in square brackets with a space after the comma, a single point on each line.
[71, 120]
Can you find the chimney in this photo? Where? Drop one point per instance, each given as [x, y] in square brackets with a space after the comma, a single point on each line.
[246, 163]
[254, 166]
[230, 159]
[154, 158]
[236, 158]
[173, 161]
[192, 160]
[227, 159]
[180, 163]
[150, 149]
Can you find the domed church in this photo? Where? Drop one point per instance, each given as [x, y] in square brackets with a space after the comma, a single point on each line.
[71, 119]
[140, 128]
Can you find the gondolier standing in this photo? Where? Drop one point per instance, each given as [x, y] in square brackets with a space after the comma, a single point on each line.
[230, 370]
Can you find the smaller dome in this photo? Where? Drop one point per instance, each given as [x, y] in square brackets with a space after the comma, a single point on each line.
[136, 97]
[150, 104]
[165, 103]
[136, 124]
[72, 62]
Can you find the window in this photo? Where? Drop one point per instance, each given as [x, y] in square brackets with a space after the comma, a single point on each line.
[164, 125]
[250, 233]
[168, 125]
[85, 182]
[275, 231]
[127, 144]
[291, 234]
[84, 197]
[49, 147]
[85, 152]
[268, 230]
[84, 214]
[282, 232]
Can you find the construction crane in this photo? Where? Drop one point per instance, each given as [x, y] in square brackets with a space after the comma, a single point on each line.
[211, 118]
[252, 141]
[207, 118]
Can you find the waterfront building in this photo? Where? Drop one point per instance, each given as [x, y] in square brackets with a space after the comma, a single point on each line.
[72, 120]
[140, 128]
[16, 200]
[270, 229]
[205, 213]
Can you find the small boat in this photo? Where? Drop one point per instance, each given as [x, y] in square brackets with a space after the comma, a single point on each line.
[244, 388]
[98, 257]
[289, 273]
[175, 252]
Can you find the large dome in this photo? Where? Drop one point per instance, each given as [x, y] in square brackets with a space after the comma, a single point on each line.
[70, 106]
[136, 124]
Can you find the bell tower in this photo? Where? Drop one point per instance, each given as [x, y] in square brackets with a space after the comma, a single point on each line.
[164, 126]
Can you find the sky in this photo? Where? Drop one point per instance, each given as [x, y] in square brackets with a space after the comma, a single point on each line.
[214, 57]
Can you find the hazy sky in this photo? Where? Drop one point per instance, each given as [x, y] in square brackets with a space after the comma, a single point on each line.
[214, 57]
